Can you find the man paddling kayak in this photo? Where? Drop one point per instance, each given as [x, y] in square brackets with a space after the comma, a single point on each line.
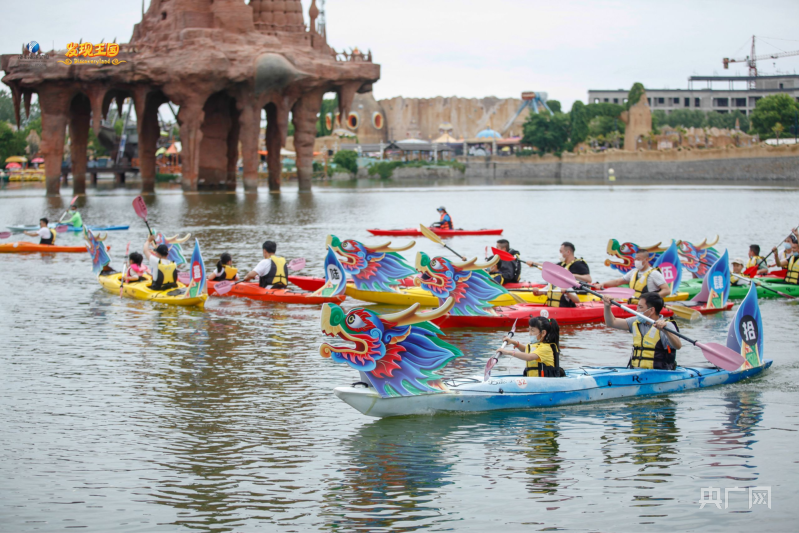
[791, 263]
[272, 272]
[642, 279]
[75, 220]
[164, 271]
[755, 260]
[45, 234]
[507, 271]
[576, 266]
[653, 347]
[445, 222]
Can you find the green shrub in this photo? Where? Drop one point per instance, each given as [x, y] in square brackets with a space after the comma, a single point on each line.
[347, 159]
[164, 178]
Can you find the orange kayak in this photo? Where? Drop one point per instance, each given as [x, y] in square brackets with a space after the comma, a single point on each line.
[254, 292]
[32, 247]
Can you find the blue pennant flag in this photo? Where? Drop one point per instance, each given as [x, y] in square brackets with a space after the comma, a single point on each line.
[671, 267]
[716, 284]
[746, 331]
[335, 277]
[198, 283]
[97, 250]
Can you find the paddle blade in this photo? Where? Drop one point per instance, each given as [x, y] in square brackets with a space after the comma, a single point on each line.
[721, 356]
[489, 365]
[750, 272]
[297, 264]
[427, 232]
[184, 278]
[618, 293]
[505, 256]
[140, 207]
[686, 313]
[61, 228]
[74, 199]
[558, 276]
[223, 287]
[5, 234]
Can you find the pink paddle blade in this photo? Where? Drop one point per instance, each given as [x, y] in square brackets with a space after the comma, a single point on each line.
[61, 228]
[618, 293]
[140, 207]
[489, 365]
[184, 278]
[74, 199]
[297, 264]
[5, 234]
[721, 356]
[559, 276]
[223, 287]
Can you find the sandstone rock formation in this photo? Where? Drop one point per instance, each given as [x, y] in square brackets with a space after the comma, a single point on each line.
[638, 122]
[222, 62]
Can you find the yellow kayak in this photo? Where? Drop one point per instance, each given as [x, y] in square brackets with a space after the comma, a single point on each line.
[139, 290]
[410, 295]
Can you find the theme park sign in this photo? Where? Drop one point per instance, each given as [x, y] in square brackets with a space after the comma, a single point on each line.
[77, 51]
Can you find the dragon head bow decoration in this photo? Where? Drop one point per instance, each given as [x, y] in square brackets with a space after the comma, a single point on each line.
[694, 255]
[372, 268]
[398, 353]
[625, 252]
[467, 283]
[175, 250]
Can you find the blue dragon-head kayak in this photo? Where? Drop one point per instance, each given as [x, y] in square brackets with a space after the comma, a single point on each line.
[697, 257]
[625, 253]
[467, 282]
[372, 268]
[398, 353]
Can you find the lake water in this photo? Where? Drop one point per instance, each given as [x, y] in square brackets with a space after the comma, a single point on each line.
[120, 415]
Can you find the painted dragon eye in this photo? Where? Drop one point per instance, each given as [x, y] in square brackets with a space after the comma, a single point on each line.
[347, 245]
[355, 322]
[435, 264]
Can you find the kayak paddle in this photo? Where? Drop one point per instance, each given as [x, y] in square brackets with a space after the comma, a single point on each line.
[5, 234]
[505, 256]
[62, 228]
[71, 203]
[717, 354]
[684, 312]
[141, 210]
[492, 361]
[772, 251]
[752, 281]
[427, 232]
[124, 270]
[223, 287]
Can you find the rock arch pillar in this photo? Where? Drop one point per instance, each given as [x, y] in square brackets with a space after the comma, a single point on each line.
[55, 115]
[304, 116]
[190, 118]
[80, 113]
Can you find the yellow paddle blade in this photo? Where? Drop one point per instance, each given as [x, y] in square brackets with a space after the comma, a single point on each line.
[686, 313]
[427, 232]
[518, 299]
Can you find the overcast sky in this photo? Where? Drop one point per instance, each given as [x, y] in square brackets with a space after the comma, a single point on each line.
[477, 48]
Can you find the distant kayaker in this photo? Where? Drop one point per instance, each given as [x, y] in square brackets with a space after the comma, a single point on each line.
[542, 355]
[135, 270]
[756, 261]
[737, 272]
[791, 263]
[75, 220]
[224, 269]
[643, 278]
[575, 265]
[507, 271]
[272, 272]
[445, 222]
[656, 347]
[164, 271]
[45, 234]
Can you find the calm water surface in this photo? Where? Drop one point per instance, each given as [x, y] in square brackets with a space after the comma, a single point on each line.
[120, 415]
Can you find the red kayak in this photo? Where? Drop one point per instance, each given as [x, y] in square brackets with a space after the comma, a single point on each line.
[584, 313]
[308, 283]
[289, 296]
[705, 311]
[412, 232]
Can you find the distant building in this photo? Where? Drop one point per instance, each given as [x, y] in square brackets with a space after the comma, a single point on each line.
[736, 96]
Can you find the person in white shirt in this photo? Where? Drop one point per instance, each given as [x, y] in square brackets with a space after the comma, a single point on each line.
[45, 234]
[164, 271]
[272, 272]
[643, 278]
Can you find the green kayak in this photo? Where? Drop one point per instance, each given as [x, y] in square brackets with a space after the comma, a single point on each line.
[693, 286]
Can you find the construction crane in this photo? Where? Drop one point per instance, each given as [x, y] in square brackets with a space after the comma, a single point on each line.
[751, 61]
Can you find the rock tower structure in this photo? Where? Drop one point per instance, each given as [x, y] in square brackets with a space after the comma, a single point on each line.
[222, 62]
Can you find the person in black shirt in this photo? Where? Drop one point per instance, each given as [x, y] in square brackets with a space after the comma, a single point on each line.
[507, 271]
[576, 266]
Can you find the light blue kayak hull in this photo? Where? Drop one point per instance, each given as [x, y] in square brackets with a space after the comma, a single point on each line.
[70, 228]
[582, 385]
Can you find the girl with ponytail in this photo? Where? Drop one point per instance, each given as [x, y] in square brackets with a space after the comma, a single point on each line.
[542, 355]
[224, 269]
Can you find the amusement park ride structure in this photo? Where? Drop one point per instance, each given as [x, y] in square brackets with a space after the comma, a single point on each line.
[536, 101]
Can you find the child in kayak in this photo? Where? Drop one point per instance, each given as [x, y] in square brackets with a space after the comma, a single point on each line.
[737, 272]
[45, 234]
[163, 270]
[542, 355]
[224, 269]
[135, 270]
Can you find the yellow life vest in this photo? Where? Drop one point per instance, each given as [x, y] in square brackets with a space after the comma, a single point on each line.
[230, 272]
[755, 262]
[558, 298]
[51, 240]
[793, 271]
[735, 279]
[639, 284]
[547, 363]
[166, 277]
[649, 351]
[278, 275]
